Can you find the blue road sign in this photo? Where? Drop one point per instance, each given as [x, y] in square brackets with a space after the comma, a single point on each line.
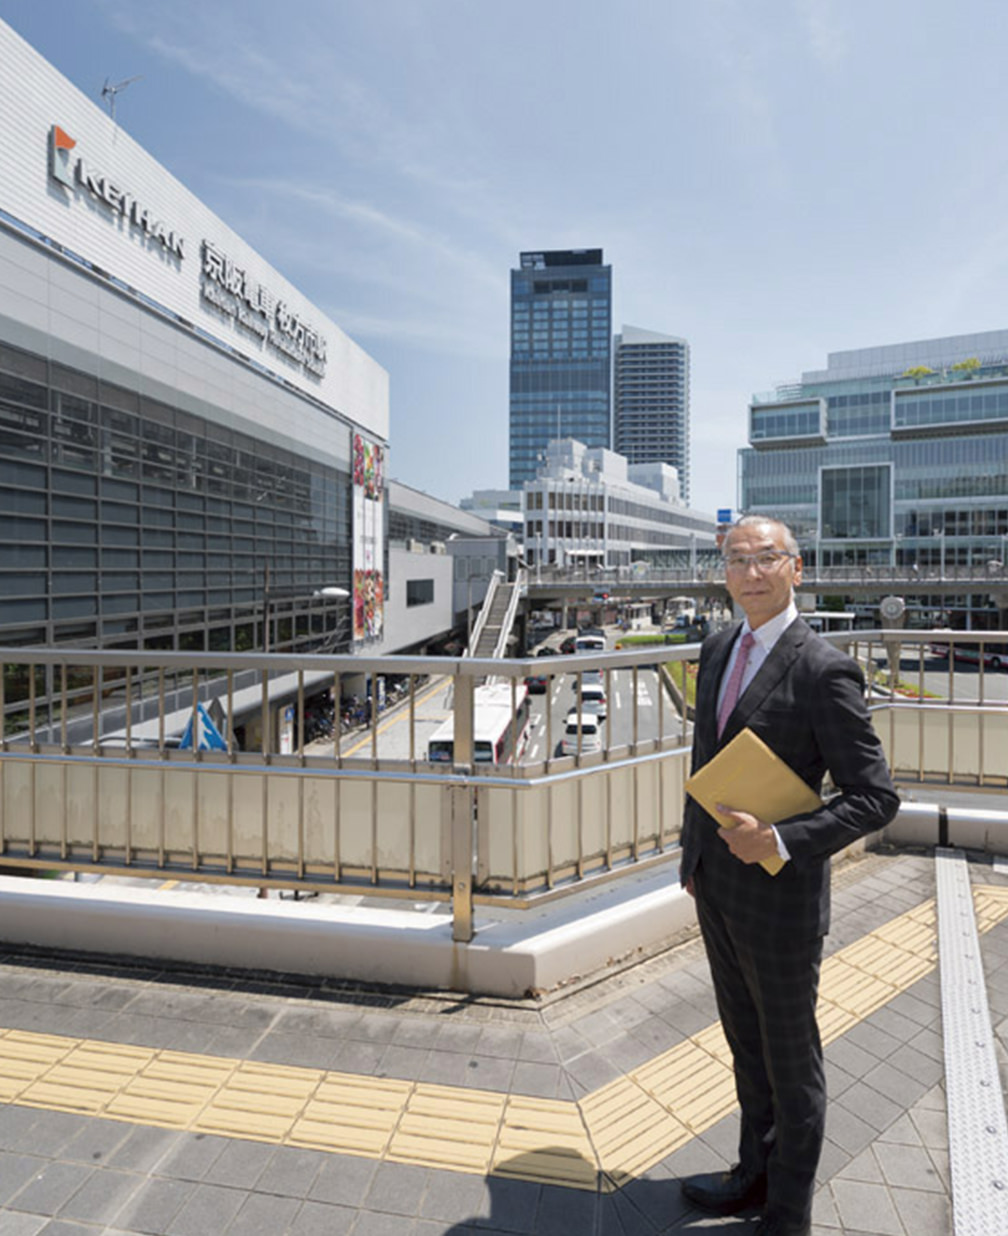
[209, 735]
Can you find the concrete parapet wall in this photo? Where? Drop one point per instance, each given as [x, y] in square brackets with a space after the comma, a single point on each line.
[530, 951]
[929, 824]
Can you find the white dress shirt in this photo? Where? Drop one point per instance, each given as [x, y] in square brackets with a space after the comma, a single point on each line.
[765, 637]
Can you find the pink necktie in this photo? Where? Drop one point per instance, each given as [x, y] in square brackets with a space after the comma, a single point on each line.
[735, 681]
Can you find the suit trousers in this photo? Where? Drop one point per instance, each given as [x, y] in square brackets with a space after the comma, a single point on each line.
[766, 997]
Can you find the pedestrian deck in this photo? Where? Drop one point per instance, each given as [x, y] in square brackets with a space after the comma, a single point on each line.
[141, 1099]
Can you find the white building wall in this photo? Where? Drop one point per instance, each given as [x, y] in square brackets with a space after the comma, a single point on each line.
[406, 625]
[34, 97]
[64, 314]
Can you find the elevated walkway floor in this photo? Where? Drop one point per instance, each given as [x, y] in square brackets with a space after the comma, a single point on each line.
[141, 1098]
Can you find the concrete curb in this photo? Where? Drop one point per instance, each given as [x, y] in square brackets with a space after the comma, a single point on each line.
[523, 952]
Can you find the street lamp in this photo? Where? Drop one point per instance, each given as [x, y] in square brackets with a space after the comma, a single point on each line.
[329, 592]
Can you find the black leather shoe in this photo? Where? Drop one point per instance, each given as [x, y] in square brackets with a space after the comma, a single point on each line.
[772, 1225]
[725, 1193]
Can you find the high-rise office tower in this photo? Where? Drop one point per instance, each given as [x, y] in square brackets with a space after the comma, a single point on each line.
[561, 332]
[651, 400]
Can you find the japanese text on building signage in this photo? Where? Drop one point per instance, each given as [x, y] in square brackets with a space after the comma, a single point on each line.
[233, 290]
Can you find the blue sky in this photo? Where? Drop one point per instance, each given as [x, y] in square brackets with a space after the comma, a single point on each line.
[771, 181]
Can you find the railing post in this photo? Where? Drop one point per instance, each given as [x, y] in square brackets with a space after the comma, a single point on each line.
[461, 831]
[461, 811]
[462, 698]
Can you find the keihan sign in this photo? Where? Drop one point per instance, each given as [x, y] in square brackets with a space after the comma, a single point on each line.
[228, 287]
[70, 170]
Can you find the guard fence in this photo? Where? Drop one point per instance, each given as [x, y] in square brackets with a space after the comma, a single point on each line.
[92, 776]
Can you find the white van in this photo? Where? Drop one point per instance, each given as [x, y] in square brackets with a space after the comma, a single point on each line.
[590, 734]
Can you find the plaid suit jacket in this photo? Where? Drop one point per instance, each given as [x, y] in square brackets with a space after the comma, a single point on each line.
[807, 703]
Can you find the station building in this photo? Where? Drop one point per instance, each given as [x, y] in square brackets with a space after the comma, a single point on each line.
[894, 455]
[186, 443]
[589, 507]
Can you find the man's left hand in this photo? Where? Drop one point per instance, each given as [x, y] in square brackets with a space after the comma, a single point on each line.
[751, 840]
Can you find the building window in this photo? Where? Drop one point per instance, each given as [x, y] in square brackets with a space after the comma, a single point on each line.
[856, 502]
[419, 592]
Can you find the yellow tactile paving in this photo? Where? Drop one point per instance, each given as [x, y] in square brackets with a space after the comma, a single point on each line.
[25, 1057]
[833, 1020]
[88, 1078]
[545, 1140]
[602, 1141]
[259, 1101]
[693, 1079]
[856, 991]
[445, 1127]
[630, 1129]
[352, 1115]
[173, 1089]
[991, 901]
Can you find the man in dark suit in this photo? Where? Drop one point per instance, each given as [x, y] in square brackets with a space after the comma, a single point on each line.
[763, 934]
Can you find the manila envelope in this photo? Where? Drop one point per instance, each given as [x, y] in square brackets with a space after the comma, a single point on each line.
[747, 776]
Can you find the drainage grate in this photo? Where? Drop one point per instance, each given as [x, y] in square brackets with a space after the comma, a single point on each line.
[978, 1132]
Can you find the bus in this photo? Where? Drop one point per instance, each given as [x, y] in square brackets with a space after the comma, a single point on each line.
[499, 735]
[993, 656]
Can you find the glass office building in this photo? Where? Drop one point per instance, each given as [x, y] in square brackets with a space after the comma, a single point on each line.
[186, 442]
[651, 400]
[895, 454]
[561, 332]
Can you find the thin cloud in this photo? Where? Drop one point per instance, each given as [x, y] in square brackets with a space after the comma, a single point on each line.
[737, 49]
[371, 218]
[826, 38]
[357, 119]
[423, 331]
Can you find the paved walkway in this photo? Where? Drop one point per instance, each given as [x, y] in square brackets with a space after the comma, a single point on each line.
[145, 1100]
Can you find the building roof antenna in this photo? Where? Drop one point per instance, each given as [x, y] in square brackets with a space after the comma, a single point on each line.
[109, 91]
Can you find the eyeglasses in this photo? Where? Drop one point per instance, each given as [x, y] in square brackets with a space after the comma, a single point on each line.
[768, 560]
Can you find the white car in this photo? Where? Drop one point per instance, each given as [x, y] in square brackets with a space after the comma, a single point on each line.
[591, 699]
[585, 727]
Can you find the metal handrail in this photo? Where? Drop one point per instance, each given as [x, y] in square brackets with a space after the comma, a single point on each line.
[496, 579]
[517, 589]
[404, 827]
